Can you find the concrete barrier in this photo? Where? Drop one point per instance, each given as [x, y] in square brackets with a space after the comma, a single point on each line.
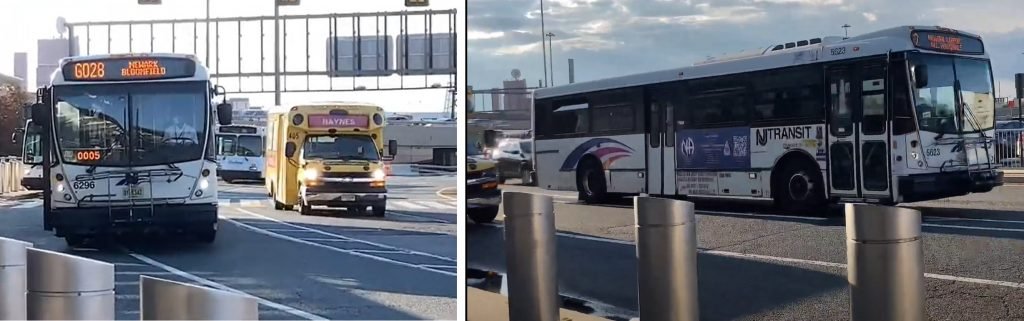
[68, 287]
[13, 276]
[169, 300]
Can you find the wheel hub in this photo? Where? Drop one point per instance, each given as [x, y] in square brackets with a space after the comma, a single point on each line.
[800, 187]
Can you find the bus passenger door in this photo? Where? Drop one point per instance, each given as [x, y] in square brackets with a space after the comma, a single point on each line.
[858, 131]
[655, 142]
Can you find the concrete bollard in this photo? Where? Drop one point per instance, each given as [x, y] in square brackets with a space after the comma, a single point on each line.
[67, 287]
[666, 250]
[531, 257]
[168, 300]
[885, 263]
[13, 276]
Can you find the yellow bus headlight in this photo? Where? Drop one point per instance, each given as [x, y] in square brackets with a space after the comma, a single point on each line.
[379, 175]
[310, 174]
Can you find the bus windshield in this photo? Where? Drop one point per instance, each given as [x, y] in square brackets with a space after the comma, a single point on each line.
[32, 155]
[239, 145]
[131, 124]
[937, 109]
[335, 147]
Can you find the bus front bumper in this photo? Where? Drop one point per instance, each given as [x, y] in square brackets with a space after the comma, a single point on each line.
[166, 217]
[941, 185]
[315, 196]
[482, 193]
[33, 183]
[247, 175]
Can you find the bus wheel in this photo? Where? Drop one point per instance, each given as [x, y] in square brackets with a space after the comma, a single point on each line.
[278, 205]
[74, 240]
[206, 235]
[379, 210]
[590, 182]
[483, 215]
[800, 189]
[305, 208]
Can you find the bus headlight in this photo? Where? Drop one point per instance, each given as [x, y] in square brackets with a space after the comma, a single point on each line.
[378, 175]
[310, 174]
[914, 155]
[203, 183]
[60, 188]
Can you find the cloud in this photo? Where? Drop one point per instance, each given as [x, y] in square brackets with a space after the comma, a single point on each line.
[617, 37]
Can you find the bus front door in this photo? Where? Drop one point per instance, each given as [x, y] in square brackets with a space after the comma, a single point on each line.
[858, 150]
[661, 179]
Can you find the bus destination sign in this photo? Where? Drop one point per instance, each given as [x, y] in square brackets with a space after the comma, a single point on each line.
[947, 42]
[345, 121]
[135, 68]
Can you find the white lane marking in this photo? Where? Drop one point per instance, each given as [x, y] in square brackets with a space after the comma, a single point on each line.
[251, 203]
[142, 273]
[331, 248]
[126, 296]
[439, 257]
[435, 266]
[799, 261]
[422, 218]
[314, 239]
[379, 251]
[1000, 229]
[284, 230]
[441, 194]
[223, 202]
[116, 283]
[947, 219]
[200, 280]
[29, 204]
[410, 205]
[128, 264]
[436, 205]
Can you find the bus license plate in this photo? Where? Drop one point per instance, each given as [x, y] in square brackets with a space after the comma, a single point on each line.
[133, 192]
[348, 198]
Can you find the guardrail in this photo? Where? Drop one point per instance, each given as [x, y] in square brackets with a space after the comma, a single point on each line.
[885, 270]
[10, 174]
[45, 285]
[1010, 147]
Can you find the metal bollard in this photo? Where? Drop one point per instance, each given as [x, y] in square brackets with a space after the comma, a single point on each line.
[666, 252]
[12, 278]
[531, 257]
[67, 287]
[885, 263]
[168, 300]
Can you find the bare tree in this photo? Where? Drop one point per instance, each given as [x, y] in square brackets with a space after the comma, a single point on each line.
[12, 103]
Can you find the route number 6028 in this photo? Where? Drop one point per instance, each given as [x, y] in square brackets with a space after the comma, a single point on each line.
[83, 185]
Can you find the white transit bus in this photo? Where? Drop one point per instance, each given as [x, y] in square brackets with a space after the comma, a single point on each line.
[31, 157]
[132, 146]
[898, 115]
[240, 152]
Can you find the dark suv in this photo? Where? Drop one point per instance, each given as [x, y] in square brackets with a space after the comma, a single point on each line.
[515, 160]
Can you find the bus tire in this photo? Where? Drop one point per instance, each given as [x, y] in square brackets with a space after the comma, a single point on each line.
[206, 235]
[278, 205]
[379, 210]
[590, 181]
[483, 215]
[305, 208]
[75, 240]
[800, 188]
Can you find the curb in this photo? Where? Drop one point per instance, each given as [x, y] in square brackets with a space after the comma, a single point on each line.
[21, 196]
[1013, 179]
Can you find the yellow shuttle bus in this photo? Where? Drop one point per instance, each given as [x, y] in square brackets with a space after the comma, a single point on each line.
[328, 154]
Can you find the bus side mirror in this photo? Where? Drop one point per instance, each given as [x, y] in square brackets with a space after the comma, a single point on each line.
[38, 112]
[392, 147]
[490, 138]
[224, 114]
[289, 149]
[921, 76]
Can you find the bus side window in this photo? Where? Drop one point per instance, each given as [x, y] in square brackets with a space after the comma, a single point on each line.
[902, 111]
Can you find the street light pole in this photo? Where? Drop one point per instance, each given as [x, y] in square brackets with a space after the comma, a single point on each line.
[207, 33]
[551, 58]
[543, 49]
[277, 56]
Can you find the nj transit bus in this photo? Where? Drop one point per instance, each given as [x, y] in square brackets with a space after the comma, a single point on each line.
[898, 115]
[133, 150]
[240, 152]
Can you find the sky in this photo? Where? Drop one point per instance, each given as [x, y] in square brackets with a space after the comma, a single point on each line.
[24, 21]
[609, 38]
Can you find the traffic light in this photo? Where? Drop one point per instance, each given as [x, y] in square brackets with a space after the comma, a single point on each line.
[417, 3]
[287, 2]
[149, 1]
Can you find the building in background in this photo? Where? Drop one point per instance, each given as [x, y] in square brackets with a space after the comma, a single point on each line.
[49, 52]
[516, 97]
[21, 68]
